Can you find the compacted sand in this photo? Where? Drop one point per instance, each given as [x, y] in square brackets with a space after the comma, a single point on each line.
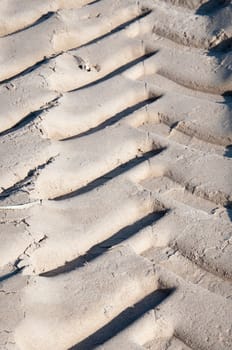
[115, 175]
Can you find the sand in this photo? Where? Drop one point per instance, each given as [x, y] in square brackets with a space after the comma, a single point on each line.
[115, 175]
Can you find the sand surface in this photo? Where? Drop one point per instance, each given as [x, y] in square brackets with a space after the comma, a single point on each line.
[115, 175]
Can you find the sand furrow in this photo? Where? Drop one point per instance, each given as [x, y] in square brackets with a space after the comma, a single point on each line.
[117, 290]
[62, 31]
[17, 15]
[107, 101]
[168, 318]
[140, 333]
[80, 161]
[88, 64]
[68, 71]
[131, 205]
[127, 93]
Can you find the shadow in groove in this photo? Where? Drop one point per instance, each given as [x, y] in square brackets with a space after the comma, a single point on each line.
[117, 117]
[227, 95]
[18, 186]
[113, 173]
[211, 6]
[123, 320]
[119, 70]
[101, 248]
[228, 151]
[47, 59]
[93, 2]
[10, 274]
[40, 20]
[145, 13]
[224, 47]
[28, 119]
[229, 210]
[25, 121]
[33, 115]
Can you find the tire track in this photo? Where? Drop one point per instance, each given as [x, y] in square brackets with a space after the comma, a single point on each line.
[115, 180]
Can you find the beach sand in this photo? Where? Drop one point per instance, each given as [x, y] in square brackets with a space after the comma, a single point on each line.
[115, 175]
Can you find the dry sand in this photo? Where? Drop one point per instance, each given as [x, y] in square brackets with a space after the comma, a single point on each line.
[115, 175]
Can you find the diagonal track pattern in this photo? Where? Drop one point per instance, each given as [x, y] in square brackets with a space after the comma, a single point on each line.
[115, 192]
